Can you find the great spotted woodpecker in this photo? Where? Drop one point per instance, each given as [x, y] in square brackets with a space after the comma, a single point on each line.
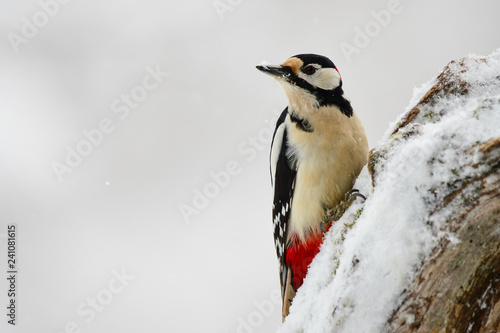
[318, 149]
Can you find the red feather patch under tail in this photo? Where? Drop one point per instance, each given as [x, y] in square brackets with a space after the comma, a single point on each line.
[299, 256]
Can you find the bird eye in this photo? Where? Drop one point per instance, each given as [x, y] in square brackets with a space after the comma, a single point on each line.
[309, 70]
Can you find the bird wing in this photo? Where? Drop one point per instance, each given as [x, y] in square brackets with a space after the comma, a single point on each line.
[283, 175]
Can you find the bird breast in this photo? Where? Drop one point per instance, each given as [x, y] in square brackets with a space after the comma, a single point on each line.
[328, 160]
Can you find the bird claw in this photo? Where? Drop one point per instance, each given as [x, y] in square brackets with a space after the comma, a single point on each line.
[355, 193]
[336, 212]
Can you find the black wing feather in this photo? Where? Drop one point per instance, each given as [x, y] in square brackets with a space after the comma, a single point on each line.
[284, 181]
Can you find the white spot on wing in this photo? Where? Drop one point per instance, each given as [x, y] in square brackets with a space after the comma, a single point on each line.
[276, 148]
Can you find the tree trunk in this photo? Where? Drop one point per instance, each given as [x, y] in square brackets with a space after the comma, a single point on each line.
[458, 288]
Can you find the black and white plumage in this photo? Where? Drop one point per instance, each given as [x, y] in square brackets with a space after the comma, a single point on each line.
[282, 177]
[319, 147]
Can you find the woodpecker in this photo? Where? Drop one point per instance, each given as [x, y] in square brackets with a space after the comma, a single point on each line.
[318, 148]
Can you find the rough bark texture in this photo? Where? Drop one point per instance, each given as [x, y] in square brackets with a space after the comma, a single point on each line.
[458, 288]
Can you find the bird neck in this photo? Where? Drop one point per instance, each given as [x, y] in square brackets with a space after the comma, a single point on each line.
[336, 98]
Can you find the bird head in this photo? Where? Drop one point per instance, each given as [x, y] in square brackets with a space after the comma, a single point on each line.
[310, 80]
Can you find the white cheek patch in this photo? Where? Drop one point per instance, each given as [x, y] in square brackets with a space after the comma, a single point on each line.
[324, 78]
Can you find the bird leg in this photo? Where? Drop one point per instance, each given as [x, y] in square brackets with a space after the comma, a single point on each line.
[336, 212]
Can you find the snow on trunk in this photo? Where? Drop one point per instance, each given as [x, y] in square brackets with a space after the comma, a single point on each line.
[422, 253]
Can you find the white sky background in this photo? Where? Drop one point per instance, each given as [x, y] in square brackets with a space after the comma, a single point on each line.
[119, 209]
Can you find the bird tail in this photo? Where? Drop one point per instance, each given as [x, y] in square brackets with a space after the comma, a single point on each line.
[288, 294]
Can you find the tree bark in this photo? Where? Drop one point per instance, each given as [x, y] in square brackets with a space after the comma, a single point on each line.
[458, 288]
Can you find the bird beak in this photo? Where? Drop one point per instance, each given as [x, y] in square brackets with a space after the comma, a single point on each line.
[275, 71]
